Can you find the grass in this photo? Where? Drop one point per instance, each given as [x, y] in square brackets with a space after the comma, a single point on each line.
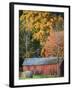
[39, 76]
[42, 76]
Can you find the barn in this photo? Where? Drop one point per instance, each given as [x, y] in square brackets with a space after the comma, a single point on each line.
[45, 66]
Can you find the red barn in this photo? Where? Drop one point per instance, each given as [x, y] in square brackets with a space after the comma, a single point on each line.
[45, 66]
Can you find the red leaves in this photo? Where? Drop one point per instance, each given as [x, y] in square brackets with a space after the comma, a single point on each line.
[55, 40]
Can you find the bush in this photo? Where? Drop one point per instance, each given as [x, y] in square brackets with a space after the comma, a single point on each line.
[26, 74]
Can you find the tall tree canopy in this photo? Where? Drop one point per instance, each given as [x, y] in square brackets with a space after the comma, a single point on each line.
[35, 27]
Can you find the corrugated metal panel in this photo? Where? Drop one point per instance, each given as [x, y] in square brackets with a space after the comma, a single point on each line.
[41, 61]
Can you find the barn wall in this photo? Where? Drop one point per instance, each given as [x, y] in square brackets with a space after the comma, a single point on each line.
[42, 69]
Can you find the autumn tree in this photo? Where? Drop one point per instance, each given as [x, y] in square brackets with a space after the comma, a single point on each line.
[37, 26]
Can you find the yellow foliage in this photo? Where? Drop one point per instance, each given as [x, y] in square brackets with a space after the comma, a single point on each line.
[37, 25]
[40, 21]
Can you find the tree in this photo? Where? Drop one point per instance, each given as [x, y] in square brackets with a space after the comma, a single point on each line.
[55, 40]
[38, 25]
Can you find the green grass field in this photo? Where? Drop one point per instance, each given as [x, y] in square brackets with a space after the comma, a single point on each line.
[39, 76]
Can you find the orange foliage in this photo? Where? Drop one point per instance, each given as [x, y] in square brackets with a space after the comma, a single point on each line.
[54, 44]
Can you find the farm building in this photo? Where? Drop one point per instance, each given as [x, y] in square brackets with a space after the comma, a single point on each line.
[45, 66]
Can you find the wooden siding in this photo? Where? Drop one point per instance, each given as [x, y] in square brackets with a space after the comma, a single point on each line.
[42, 69]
